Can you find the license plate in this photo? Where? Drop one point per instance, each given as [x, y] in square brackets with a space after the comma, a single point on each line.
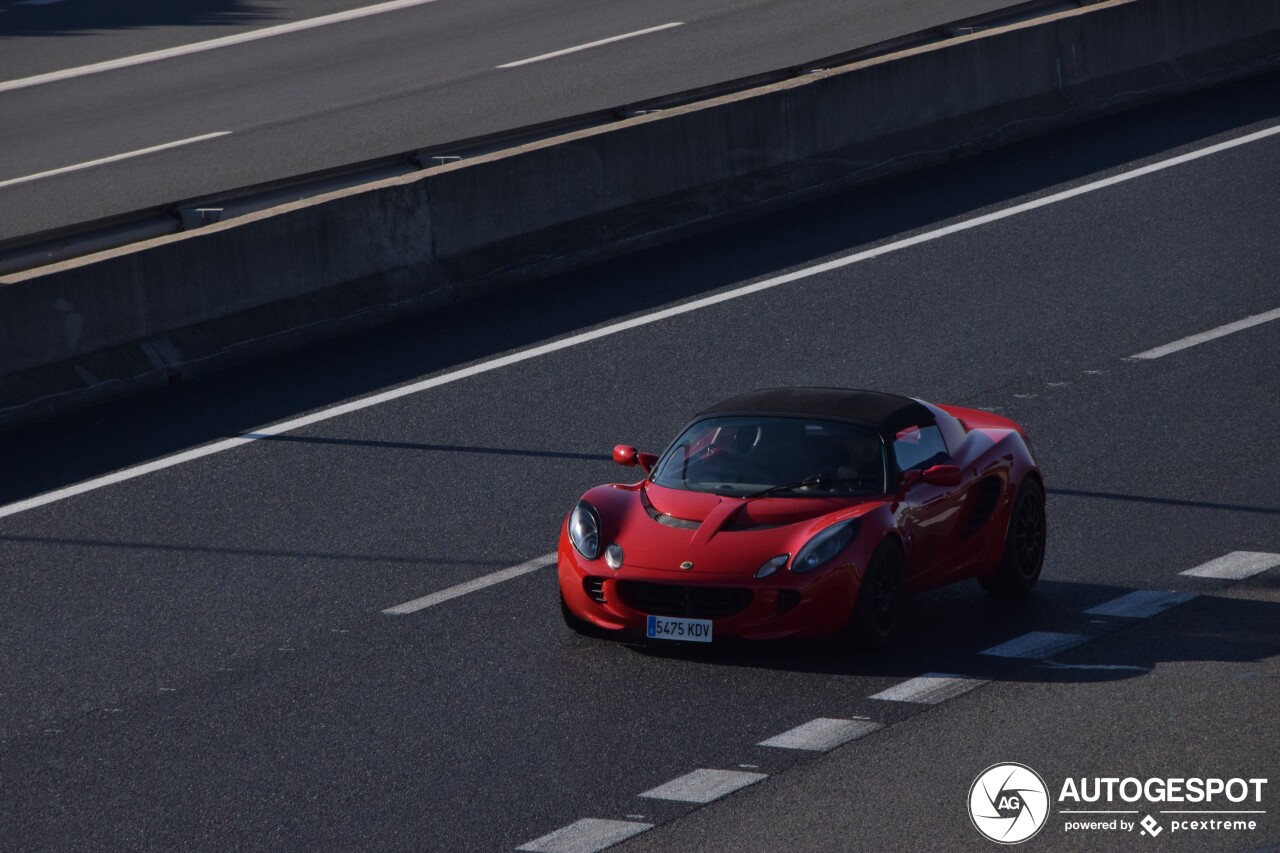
[670, 628]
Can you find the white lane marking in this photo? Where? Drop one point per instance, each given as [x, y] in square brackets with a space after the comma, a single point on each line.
[1220, 331]
[613, 329]
[592, 44]
[930, 688]
[210, 44]
[471, 586]
[113, 158]
[1236, 566]
[822, 734]
[1037, 645]
[585, 836]
[703, 786]
[1141, 603]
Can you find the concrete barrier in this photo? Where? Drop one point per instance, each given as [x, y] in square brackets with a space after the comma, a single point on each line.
[174, 307]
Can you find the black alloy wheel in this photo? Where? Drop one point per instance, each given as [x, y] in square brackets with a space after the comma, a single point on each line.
[578, 626]
[881, 599]
[886, 592]
[1024, 545]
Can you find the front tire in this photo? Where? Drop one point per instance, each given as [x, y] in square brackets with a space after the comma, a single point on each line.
[877, 613]
[1024, 545]
[578, 626]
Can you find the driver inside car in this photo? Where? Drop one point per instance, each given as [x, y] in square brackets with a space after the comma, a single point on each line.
[863, 460]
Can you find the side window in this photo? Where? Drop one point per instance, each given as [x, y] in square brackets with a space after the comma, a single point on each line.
[919, 447]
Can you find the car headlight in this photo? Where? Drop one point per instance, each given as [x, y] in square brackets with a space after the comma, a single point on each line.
[584, 530]
[825, 545]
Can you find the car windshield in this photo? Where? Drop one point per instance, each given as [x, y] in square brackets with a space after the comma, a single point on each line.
[789, 456]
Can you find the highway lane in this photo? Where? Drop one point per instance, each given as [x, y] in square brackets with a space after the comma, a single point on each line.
[904, 787]
[379, 85]
[197, 656]
[41, 40]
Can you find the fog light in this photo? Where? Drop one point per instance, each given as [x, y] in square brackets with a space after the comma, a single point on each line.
[772, 565]
[613, 556]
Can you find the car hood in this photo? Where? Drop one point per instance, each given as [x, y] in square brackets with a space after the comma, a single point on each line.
[660, 528]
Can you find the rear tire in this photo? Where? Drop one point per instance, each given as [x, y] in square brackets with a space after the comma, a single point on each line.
[1024, 545]
[877, 613]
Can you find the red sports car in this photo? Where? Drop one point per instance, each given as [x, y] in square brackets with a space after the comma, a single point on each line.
[804, 512]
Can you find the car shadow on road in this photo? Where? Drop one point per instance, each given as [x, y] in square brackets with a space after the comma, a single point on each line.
[442, 448]
[1151, 499]
[947, 631]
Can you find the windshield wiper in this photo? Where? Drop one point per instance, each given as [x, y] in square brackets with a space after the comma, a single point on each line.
[818, 480]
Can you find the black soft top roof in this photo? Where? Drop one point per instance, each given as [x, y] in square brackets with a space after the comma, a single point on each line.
[887, 413]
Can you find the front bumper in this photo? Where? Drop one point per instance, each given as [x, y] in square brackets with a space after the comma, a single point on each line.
[781, 606]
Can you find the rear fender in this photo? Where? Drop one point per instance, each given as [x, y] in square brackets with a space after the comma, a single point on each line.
[978, 419]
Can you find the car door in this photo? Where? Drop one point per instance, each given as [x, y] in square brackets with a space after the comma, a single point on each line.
[929, 515]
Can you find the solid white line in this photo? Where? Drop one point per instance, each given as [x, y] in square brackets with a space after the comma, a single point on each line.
[586, 836]
[703, 786]
[1236, 566]
[112, 159]
[211, 44]
[615, 328]
[822, 734]
[1220, 331]
[930, 688]
[471, 586]
[592, 44]
[1141, 603]
[1037, 645]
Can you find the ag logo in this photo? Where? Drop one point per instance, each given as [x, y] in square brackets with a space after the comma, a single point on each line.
[1008, 803]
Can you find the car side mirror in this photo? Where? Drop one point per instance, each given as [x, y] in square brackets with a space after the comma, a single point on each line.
[907, 479]
[627, 456]
[942, 475]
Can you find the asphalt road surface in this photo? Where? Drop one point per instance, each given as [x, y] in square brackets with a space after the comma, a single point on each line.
[195, 656]
[356, 88]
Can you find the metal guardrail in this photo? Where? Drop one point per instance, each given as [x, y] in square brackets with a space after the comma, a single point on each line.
[60, 244]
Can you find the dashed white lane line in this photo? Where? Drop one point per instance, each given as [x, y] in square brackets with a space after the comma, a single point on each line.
[1220, 331]
[586, 836]
[1037, 645]
[1141, 603]
[113, 158]
[822, 735]
[210, 44]
[471, 586]
[617, 328]
[1236, 566]
[930, 688]
[591, 44]
[704, 786]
